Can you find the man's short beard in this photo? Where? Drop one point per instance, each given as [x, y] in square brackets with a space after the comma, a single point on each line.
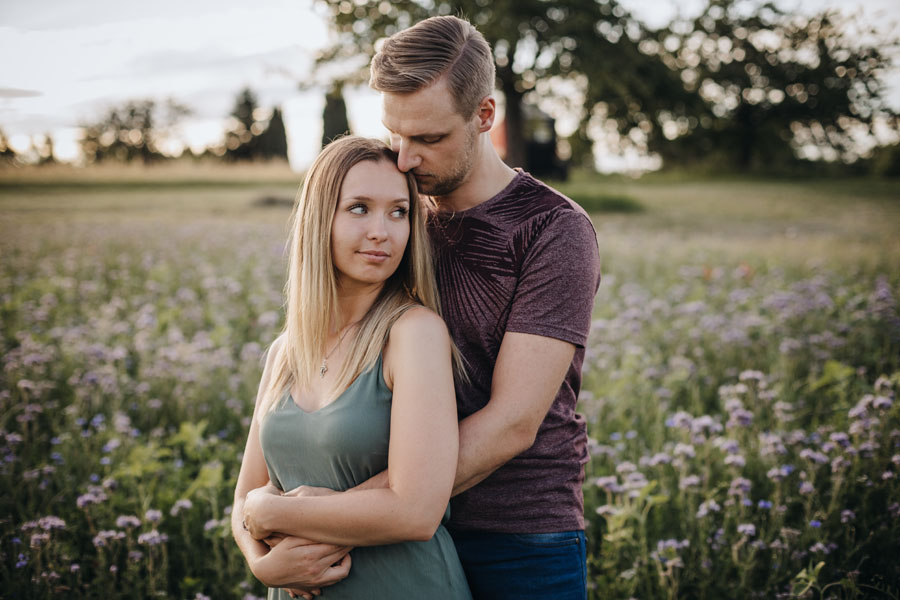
[443, 186]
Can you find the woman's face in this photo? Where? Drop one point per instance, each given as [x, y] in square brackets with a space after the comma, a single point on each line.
[371, 225]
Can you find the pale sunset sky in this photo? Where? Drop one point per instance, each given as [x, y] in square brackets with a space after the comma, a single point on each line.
[66, 62]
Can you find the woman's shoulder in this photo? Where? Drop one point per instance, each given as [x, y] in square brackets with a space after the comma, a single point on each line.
[417, 333]
[273, 349]
[418, 322]
[416, 339]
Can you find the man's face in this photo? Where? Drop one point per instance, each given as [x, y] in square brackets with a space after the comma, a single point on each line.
[431, 138]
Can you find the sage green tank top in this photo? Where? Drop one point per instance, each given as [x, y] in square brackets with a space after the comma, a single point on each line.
[339, 446]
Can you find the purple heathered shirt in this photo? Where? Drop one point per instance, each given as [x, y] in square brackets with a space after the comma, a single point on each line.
[524, 261]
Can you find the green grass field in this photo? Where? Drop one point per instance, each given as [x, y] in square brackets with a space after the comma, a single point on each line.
[739, 384]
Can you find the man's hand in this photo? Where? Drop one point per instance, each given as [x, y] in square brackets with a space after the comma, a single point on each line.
[301, 565]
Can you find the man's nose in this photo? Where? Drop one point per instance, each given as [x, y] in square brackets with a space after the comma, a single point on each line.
[407, 159]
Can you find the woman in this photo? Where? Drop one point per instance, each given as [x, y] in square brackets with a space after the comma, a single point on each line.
[359, 381]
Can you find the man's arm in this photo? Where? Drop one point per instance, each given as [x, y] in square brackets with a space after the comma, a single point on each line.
[554, 298]
[527, 376]
[529, 372]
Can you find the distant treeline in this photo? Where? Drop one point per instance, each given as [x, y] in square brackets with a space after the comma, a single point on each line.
[743, 86]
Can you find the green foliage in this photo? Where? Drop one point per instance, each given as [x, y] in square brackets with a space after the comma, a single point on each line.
[131, 132]
[605, 203]
[542, 49]
[743, 86]
[334, 115]
[774, 86]
[248, 138]
[131, 345]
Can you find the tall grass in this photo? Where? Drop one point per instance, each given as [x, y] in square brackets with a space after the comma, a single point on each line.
[740, 387]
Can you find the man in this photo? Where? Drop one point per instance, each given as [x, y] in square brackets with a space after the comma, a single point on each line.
[517, 267]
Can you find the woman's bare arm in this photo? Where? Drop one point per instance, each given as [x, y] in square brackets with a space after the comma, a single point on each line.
[421, 459]
[295, 563]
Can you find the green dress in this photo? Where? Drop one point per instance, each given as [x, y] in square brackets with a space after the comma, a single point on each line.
[339, 446]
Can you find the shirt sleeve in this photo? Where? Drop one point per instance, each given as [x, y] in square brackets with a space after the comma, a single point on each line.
[560, 275]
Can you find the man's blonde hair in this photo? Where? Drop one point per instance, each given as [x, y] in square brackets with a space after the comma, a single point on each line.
[311, 288]
[418, 57]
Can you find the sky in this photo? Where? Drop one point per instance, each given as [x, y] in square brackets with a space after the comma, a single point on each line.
[74, 60]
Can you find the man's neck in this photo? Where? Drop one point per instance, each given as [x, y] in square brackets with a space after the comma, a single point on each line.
[489, 176]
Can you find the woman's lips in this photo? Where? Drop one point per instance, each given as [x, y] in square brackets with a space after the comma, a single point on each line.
[375, 255]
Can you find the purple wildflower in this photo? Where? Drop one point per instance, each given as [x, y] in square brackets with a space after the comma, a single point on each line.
[127, 521]
[747, 529]
[689, 481]
[152, 538]
[609, 483]
[153, 515]
[182, 504]
[736, 460]
[50, 522]
[684, 450]
[708, 507]
[739, 486]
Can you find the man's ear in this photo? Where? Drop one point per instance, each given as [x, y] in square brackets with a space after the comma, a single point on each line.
[487, 110]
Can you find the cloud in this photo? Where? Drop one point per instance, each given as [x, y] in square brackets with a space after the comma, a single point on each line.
[18, 93]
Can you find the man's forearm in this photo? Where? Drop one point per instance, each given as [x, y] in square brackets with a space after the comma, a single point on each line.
[485, 444]
[484, 447]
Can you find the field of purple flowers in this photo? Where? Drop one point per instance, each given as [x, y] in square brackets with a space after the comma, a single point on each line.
[745, 429]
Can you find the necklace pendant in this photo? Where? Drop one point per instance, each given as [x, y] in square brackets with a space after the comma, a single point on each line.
[322, 369]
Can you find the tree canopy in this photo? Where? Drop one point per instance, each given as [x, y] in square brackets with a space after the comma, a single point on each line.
[545, 48]
[250, 137]
[743, 84]
[131, 132]
[772, 86]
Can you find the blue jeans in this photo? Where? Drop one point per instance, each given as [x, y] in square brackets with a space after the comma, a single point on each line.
[528, 566]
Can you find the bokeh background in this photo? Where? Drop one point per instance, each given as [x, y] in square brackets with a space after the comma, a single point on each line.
[739, 160]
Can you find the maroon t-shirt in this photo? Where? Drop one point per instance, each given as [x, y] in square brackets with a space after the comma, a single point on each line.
[524, 261]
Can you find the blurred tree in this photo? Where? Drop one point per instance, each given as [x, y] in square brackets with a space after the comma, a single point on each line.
[249, 137]
[774, 86]
[885, 161]
[131, 132]
[272, 142]
[334, 115]
[239, 136]
[7, 154]
[567, 55]
[44, 150]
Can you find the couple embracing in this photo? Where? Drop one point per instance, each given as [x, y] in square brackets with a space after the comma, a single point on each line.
[415, 433]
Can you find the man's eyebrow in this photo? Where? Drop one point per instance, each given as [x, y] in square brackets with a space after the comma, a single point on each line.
[417, 136]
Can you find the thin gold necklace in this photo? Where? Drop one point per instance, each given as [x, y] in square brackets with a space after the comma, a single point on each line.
[324, 366]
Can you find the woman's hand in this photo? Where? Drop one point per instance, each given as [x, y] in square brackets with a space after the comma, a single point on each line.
[308, 491]
[254, 510]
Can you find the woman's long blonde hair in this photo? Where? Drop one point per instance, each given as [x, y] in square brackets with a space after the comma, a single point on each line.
[311, 288]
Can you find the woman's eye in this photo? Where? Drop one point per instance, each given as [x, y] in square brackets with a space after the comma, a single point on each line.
[400, 212]
[358, 209]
